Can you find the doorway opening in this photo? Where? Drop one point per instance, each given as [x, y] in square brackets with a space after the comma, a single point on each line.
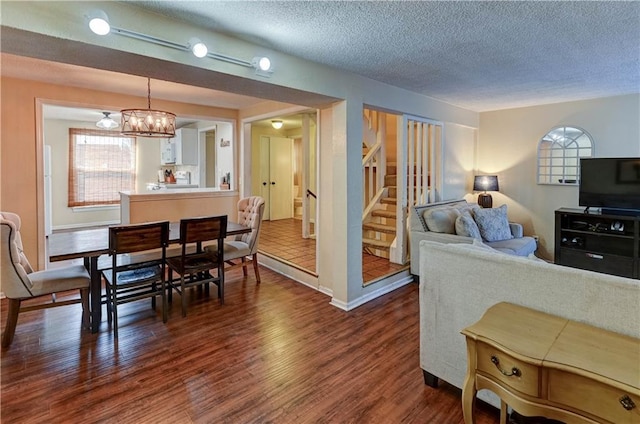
[283, 172]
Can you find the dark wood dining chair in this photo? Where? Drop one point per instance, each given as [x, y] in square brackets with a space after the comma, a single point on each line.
[137, 276]
[200, 266]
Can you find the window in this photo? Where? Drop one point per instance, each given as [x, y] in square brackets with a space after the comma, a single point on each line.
[101, 164]
[559, 154]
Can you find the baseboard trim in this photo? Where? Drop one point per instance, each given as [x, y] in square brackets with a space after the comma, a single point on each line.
[85, 225]
[397, 281]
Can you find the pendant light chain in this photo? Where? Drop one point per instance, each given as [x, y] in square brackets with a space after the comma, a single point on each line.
[148, 93]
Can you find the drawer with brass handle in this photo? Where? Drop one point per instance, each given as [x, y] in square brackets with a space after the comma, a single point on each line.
[603, 401]
[519, 375]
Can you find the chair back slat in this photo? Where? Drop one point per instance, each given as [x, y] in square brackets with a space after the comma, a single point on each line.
[195, 230]
[138, 237]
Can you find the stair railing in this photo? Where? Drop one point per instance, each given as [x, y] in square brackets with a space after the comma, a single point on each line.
[374, 166]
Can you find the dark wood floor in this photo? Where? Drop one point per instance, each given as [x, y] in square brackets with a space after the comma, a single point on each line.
[275, 353]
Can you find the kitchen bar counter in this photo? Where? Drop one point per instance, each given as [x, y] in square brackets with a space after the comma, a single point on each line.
[173, 205]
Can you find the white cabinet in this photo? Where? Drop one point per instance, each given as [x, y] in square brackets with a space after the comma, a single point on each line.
[181, 149]
[167, 151]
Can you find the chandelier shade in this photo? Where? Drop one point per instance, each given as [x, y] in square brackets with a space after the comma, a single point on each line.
[148, 122]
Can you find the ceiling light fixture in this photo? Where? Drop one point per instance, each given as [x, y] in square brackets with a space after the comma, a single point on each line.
[277, 124]
[197, 47]
[99, 24]
[148, 122]
[107, 122]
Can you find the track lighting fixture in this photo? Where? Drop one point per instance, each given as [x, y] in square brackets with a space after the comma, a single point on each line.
[197, 47]
[99, 24]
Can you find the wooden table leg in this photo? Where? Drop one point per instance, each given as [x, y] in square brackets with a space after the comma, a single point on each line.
[469, 388]
[95, 292]
[503, 412]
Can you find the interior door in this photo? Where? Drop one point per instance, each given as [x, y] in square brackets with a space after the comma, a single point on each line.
[281, 178]
[265, 176]
[276, 177]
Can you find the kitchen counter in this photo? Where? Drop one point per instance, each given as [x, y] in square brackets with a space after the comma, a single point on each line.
[174, 204]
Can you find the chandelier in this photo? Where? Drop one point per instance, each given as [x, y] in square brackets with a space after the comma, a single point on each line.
[148, 122]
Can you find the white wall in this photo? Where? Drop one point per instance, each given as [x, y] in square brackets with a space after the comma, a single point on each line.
[458, 155]
[507, 146]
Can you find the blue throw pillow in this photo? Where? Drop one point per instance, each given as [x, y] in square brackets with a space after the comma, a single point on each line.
[493, 223]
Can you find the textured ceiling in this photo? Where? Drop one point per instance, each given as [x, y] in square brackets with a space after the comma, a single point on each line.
[478, 55]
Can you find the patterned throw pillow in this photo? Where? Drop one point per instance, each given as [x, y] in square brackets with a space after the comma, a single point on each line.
[466, 226]
[493, 223]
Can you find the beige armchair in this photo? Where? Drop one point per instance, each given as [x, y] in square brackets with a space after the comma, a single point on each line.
[20, 282]
[250, 211]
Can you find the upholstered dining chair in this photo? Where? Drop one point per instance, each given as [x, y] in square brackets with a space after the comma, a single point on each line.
[236, 251]
[198, 264]
[134, 275]
[20, 282]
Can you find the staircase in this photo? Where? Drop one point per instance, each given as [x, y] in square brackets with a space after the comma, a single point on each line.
[379, 230]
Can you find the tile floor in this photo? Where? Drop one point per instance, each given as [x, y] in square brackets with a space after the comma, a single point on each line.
[282, 239]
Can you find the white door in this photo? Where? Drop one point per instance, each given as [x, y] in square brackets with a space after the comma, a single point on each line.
[276, 177]
[281, 172]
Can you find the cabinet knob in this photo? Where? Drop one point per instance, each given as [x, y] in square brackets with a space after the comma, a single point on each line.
[627, 403]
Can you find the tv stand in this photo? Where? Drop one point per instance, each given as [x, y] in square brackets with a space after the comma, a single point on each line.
[625, 212]
[607, 243]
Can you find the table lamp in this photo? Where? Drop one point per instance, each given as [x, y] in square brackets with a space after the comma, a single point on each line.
[485, 183]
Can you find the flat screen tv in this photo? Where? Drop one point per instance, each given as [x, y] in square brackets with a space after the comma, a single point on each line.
[612, 184]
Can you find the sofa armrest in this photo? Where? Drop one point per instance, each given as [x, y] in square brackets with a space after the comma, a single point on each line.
[516, 229]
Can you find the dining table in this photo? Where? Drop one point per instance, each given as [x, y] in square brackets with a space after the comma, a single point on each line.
[91, 244]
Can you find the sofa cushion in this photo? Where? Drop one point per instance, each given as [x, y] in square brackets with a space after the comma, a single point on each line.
[466, 226]
[493, 223]
[441, 220]
[522, 246]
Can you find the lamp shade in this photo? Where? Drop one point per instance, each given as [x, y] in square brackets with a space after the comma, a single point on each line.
[485, 183]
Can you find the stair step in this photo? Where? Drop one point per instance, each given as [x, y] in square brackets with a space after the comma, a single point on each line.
[389, 200]
[389, 180]
[392, 191]
[376, 244]
[384, 213]
[381, 228]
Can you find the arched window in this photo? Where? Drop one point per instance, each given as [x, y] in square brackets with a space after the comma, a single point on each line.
[559, 153]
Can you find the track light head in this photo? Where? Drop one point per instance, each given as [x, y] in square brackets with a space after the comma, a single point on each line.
[99, 22]
[197, 47]
[262, 65]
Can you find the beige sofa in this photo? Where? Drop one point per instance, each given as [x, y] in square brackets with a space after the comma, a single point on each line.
[419, 230]
[459, 282]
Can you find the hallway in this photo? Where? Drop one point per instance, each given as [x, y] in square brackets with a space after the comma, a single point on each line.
[282, 240]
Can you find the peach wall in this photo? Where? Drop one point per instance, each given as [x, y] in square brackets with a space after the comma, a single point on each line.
[21, 147]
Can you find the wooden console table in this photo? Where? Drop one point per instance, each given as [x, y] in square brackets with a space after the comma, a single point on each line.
[544, 365]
